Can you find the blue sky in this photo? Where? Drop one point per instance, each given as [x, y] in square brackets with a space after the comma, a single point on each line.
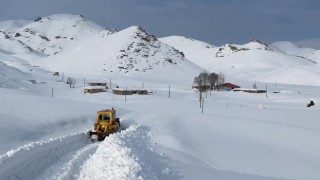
[213, 21]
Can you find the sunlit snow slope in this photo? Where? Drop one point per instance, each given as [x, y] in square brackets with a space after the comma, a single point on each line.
[131, 50]
[255, 61]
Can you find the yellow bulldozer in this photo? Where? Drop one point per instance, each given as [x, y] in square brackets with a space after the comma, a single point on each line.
[106, 123]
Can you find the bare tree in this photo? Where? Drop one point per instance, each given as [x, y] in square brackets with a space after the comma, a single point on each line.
[213, 80]
[221, 79]
[71, 81]
[202, 83]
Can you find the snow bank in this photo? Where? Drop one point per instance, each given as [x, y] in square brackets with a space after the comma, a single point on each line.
[121, 156]
[27, 161]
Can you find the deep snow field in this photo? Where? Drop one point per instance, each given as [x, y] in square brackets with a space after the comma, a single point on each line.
[44, 123]
[238, 136]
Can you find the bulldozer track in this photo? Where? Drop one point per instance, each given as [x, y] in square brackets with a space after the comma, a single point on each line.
[39, 160]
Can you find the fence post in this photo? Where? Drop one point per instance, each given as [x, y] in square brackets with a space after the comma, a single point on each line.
[202, 104]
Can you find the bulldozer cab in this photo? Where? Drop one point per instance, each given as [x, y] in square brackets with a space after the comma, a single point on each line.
[106, 123]
[106, 116]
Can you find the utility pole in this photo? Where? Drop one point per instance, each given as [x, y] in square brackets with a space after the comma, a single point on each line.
[84, 82]
[51, 92]
[62, 77]
[169, 91]
[267, 91]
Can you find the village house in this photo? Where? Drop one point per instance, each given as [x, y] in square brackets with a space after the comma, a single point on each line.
[129, 92]
[95, 87]
[226, 86]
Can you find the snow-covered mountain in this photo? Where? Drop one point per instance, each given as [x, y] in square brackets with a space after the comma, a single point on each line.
[254, 61]
[12, 45]
[54, 34]
[229, 49]
[130, 50]
[291, 49]
[315, 56]
[198, 52]
[72, 43]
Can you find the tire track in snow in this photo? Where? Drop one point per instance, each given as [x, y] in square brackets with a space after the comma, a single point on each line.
[28, 161]
[69, 167]
[125, 155]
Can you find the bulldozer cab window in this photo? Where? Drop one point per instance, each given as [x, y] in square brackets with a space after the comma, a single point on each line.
[105, 117]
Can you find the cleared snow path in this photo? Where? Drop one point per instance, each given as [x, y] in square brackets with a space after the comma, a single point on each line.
[69, 167]
[28, 161]
[128, 155]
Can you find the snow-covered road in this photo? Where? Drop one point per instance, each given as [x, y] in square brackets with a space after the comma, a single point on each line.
[124, 155]
[69, 166]
[29, 161]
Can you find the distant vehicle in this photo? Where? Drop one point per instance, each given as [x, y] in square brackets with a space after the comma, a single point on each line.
[311, 103]
[106, 123]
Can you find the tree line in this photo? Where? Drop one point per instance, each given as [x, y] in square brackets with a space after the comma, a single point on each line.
[208, 81]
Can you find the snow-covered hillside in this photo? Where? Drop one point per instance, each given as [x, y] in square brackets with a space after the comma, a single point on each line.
[9, 76]
[255, 61]
[11, 45]
[291, 49]
[54, 34]
[130, 50]
[196, 51]
[12, 25]
[229, 49]
[315, 56]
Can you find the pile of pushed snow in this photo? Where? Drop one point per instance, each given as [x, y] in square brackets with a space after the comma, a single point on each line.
[121, 156]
